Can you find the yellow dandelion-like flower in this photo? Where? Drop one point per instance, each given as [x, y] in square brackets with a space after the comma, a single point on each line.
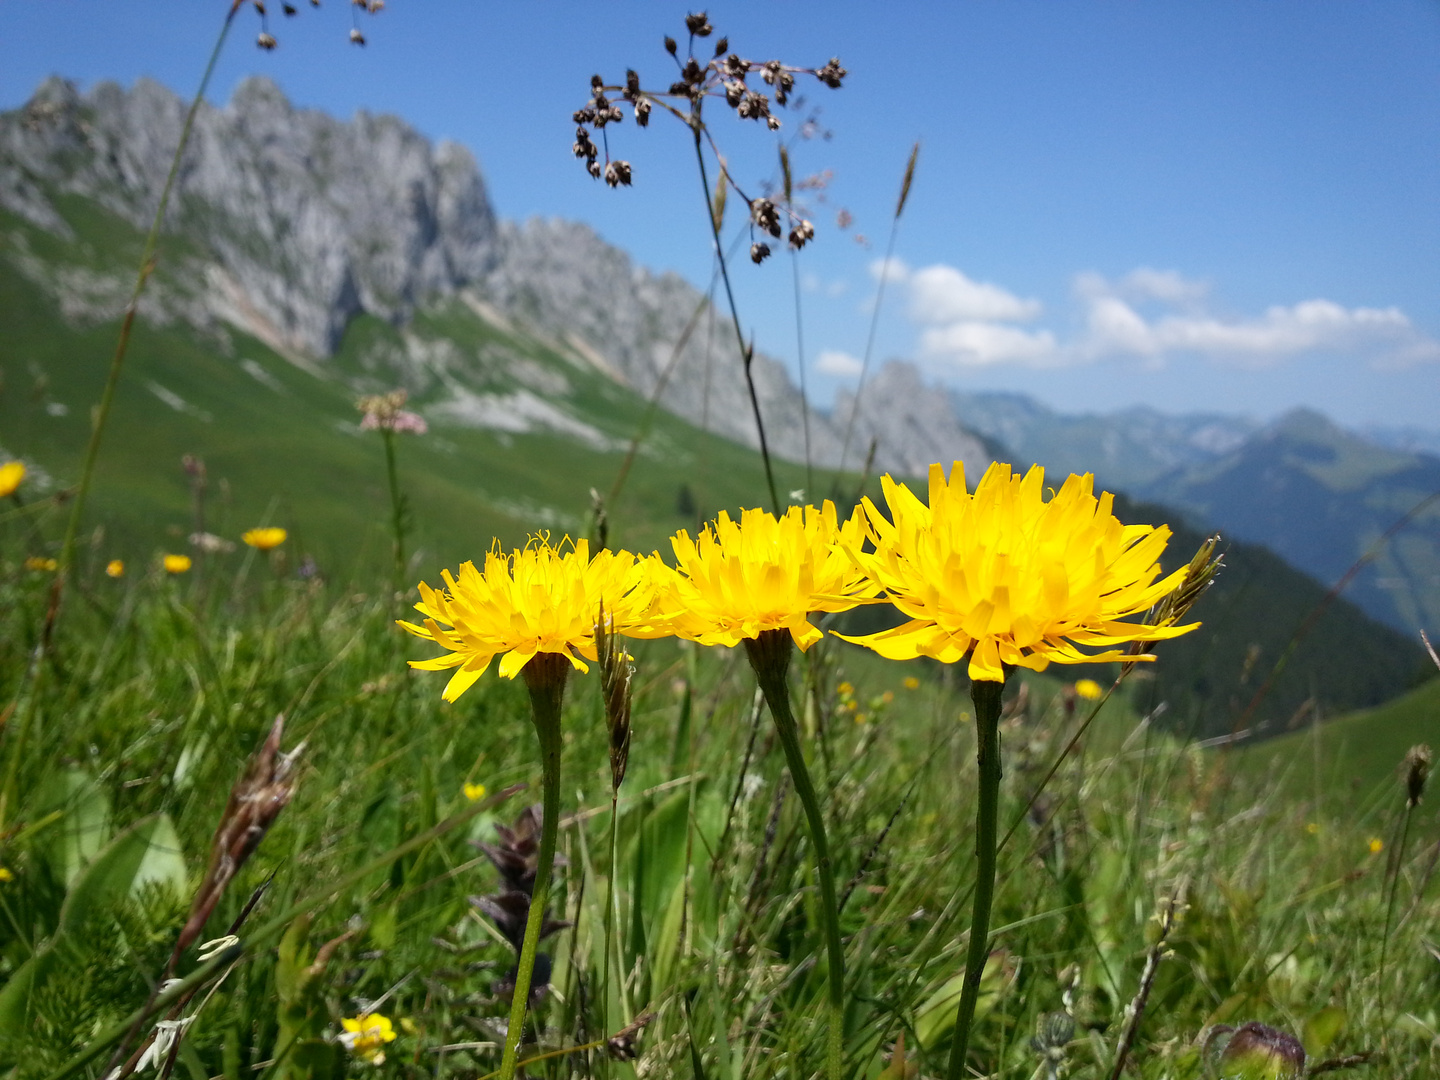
[366, 1036]
[538, 600]
[1376, 845]
[911, 683]
[741, 578]
[176, 564]
[115, 568]
[40, 564]
[6, 875]
[265, 539]
[473, 792]
[11, 473]
[1007, 578]
[1088, 689]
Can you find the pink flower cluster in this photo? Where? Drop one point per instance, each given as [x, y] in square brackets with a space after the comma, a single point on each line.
[401, 420]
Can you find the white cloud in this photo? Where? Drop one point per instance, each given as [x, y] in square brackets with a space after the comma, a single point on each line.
[972, 343]
[1155, 316]
[942, 294]
[1115, 328]
[833, 362]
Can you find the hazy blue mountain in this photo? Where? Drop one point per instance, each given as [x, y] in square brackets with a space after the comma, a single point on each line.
[1125, 450]
[1320, 497]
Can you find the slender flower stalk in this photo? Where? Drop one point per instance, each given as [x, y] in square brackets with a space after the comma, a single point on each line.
[545, 675]
[757, 581]
[535, 608]
[1001, 579]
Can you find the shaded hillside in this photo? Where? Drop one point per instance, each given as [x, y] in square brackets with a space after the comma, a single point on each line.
[1320, 497]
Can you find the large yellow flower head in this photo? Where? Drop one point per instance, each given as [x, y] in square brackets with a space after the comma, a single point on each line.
[1006, 577]
[740, 578]
[536, 600]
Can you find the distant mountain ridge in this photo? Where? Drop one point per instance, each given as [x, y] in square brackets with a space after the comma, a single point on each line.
[298, 223]
[1314, 493]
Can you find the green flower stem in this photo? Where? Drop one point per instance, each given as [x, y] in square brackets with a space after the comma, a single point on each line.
[397, 508]
[986, 696]
[545, 676]
[770, 657]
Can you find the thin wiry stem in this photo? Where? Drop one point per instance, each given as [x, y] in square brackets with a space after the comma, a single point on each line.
[800, 360]
[147, 267]
[879, 301]
[35, 672]
[747, 353]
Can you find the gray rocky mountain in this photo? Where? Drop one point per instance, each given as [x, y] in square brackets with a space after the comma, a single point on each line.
[296, 222]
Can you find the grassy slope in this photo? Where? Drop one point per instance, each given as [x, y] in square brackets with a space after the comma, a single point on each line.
[1353, 760]
[299, 450]
[294, 456]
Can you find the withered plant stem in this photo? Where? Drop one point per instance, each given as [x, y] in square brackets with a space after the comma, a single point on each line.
[545, 677]
[747, 352]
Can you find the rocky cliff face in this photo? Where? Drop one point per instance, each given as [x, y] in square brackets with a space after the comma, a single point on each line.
[310, 220]
[298, 222]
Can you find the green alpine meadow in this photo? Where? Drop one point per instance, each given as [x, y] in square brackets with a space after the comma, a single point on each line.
[434, 645]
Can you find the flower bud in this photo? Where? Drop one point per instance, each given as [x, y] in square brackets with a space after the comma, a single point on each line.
[1417, 772]
[1256, 1051]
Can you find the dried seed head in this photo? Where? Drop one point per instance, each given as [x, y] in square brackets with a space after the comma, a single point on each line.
[784, 83]
[832, 73]
[356, 37]
[721, 46]
[770, 71]
[642, 112]
[773, 123]
[734, 92]
[693, 73]
[632, 82]
[266, 41]
[764, 214]
[735, 67]
[1417, 772]
[596, 83]
[699, 25]
[260, 6]
[616, 673]
[755, 106]
[617, 173]
[759, 253]
[801, 234]
[288, 9]
[622, 1045]
[670, 45]
[593, 169]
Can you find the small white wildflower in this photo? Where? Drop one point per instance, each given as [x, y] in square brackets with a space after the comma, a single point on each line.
[167, 1033]
[209, 949]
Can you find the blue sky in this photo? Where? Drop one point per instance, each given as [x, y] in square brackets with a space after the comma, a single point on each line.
[1228, 206]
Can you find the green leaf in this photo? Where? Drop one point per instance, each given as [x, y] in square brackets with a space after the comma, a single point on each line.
[85, 821]
[147, 851]
[1322, 1029]
[936, 1018]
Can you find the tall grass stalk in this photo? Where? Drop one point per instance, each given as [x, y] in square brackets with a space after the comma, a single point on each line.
[397, 512]
[905, 183]
[35, 671]
[142, 278]
[747, 351]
